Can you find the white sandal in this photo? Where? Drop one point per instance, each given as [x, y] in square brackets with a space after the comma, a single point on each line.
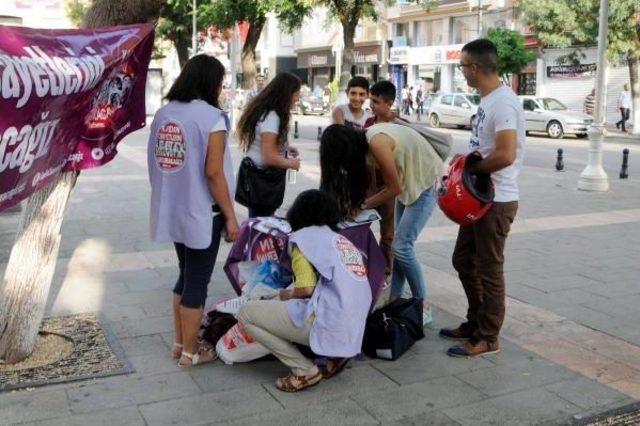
[195, 358]
[173, 350]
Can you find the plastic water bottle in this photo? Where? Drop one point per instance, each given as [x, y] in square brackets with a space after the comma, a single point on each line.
[291, 173]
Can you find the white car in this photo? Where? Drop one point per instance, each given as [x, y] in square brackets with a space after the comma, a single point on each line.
[457, 109]
[550, 116]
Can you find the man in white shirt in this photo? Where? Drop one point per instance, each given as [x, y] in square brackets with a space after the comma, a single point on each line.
[624, 106]
[498, 133]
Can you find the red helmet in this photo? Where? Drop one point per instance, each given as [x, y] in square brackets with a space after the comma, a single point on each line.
[465, 197]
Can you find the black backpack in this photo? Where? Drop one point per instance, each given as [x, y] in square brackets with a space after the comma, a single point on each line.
[393, 329]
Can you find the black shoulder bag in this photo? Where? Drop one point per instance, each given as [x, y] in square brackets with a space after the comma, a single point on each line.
[260, 188]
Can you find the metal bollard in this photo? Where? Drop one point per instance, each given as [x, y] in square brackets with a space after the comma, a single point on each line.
[559, 161]
[624, 171]
[319, 133]
[296, 135]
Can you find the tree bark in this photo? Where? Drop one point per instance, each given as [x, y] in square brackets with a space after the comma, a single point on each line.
[25, 286]
[348, 35]
[634, 79]
[30, 269]
[182, 48]
[248, 55]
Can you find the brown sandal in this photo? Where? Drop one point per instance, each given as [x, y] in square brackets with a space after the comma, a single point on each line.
[293, 383]
[338, 365]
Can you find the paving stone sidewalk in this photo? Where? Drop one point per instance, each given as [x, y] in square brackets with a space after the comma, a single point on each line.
[569, 265]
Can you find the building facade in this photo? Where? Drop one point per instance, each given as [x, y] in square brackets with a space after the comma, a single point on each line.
[426, 44]
[276, 49]
[318, 52]
[34, 13]
[571, 81]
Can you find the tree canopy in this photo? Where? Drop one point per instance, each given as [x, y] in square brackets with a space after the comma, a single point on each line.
[566, 23]
[512, 53]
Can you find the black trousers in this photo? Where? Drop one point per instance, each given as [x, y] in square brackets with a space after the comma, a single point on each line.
[625, 113]
[196, 267]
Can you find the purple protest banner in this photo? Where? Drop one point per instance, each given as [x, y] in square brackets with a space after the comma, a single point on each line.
[67, 97]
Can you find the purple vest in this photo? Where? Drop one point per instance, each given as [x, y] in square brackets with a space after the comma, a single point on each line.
[342, 297]
[180, 198]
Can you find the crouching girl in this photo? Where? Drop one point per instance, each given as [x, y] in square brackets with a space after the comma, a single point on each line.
[328, 305]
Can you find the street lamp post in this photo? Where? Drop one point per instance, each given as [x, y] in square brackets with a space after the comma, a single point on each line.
[593, 177]
[194, 40]
[480, 29]
[234, 48]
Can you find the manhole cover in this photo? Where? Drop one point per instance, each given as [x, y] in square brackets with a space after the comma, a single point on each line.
[94, 352]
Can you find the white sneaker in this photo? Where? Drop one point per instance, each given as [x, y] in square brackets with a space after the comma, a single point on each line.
[427, 316]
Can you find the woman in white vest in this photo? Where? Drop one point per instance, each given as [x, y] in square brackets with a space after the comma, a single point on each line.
[192, 187]
[328, 310]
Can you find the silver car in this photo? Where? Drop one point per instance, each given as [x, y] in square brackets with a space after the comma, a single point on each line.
[457, 109]
[550, 116]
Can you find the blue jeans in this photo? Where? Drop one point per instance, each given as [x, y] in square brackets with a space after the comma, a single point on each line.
[410, 220]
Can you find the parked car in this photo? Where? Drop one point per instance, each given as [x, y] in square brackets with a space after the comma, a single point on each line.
[311, 104]
[453, 109]
[549, 115]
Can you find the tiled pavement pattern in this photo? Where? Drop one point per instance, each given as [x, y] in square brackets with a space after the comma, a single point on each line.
[569, 347]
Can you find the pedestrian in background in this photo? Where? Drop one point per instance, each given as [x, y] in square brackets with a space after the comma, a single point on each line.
[498, 134]
[263, 131]
[405, 100]
[192, 187]
[624, 106]
[590, 103]
[420, 101]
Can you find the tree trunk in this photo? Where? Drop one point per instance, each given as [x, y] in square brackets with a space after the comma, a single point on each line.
[182, 48]
[25, 287]
[30, 269]
[634, 79]
[248, 55]
[348, 34]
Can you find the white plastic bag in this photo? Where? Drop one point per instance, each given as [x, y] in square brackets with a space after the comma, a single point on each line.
[237, 346]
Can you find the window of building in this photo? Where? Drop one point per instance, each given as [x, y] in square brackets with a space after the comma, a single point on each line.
[464, 29]
[500, 19]
[527, 84]
[428, 33]
[402, 30]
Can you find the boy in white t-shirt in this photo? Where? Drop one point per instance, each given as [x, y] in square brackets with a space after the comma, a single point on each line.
[353, 114]
[498, 133]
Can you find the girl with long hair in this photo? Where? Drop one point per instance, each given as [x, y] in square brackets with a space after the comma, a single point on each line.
[192, 187]
[263, 130]
[344, 171]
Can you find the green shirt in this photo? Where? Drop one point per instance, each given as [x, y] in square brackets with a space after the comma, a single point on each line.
[418, 164]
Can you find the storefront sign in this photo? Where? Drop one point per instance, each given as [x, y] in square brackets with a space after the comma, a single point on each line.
[572, 71]
[67, 98]
[317, 59]
[366, 55]
[434, 55]
[399, 55]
